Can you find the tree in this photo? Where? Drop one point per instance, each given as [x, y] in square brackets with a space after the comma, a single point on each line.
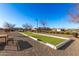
[8, 26]
[43, 23]
[27, 26]
[74, 15]
[44, 26]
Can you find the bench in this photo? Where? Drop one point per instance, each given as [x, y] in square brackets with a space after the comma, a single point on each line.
[8, 40]
[4, 36]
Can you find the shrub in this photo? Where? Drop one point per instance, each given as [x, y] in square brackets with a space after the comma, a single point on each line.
[67, 33]
[39, 40]
[75, 34]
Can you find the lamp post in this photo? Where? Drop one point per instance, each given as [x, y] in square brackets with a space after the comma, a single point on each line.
[37, 24]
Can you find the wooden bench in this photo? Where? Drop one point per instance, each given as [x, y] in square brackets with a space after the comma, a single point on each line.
[14, 43]
[4, 36]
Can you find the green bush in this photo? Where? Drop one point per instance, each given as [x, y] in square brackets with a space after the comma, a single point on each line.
[55, 32]
[67, 33]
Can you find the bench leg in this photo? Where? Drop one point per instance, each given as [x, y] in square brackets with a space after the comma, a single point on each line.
[18, 48]
[6, 38]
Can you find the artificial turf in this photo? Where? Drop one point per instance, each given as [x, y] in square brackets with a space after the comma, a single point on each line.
[46, 39]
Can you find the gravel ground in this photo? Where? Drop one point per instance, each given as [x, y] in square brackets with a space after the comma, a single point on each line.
[29, 47]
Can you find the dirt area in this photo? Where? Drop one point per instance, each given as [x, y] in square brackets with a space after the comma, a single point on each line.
[30, 47]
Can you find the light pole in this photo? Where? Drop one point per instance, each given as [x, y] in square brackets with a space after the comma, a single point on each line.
[37, 24]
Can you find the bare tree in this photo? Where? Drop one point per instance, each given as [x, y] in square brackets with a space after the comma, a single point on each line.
[74, 16]
[8, 26]
[27, 26]
[43, 23]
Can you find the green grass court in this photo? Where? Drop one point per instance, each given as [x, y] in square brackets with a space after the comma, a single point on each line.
[46, 39]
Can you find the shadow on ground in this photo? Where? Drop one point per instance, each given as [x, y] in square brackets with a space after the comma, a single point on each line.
[22, 36]
[2, 45]
[66, 45]
[22, 45]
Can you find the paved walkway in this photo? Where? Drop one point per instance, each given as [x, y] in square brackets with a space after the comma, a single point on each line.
[60, 35]
[67, 38]
[34, 48]
[51, 35]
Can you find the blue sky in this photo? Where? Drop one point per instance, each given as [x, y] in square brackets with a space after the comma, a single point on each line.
[56, 15]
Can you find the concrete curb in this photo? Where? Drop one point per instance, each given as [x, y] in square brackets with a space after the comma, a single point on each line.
[28, 36]
[62, 44]
[50, 45]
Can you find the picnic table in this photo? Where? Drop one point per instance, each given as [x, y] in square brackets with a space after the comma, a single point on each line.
[4, 36]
